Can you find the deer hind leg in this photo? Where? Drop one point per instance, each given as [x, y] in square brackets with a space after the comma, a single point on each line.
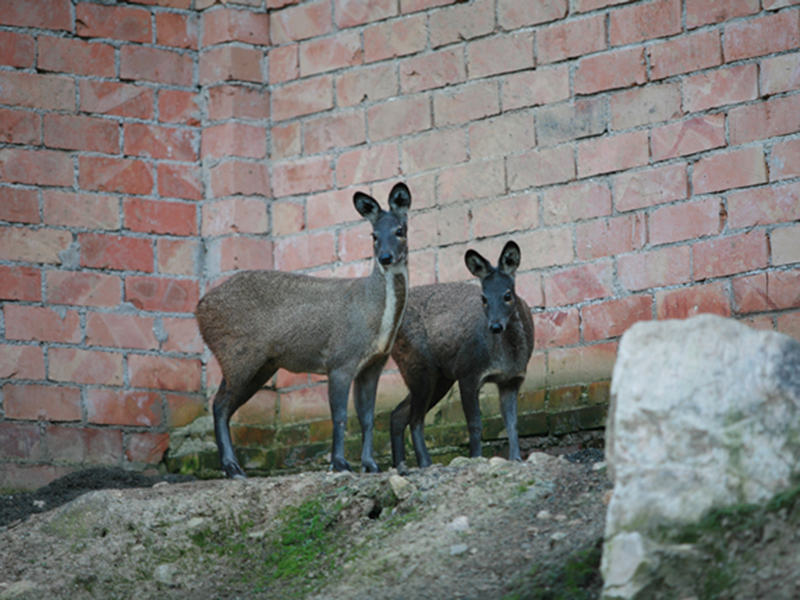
[399, 421]
[425, 399]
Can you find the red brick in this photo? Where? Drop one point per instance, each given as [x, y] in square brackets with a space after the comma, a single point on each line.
[467, 103]
[434, 70]
[686, 220]
[614, 153]
[19, 205]
[286, 140]
[779, 74]
[115, 22]
[655, 268]
[582, 364]
[649, 187]
[33, 245]
[180, 181]
[75, 132]
[305, 250]
[348, 13]
[541, 167]
[120, 331]
[122, 407]
[178, 106]
[235, 215]
[570, 38]
[556, 328]
[147, 447]
[21, 440]
[644, 21]
[177, 257]
[39, 167]
[302, 98]
[223, 63]
[774, 117]
[762, 35]
[85, 366]
[301, 176]
[32, 90]
[16, 50]
[45, 14]
[729, 255]
[241, 253]
[687, 137]
[578, 284]
[736, 168]
[687, 302]
[335, 131]
[607, 237]
[184, 4]
[503, 215]
[20, 283]
[174, 29]
[506, 134]
[41, 323]
[609, 70]
[287, 218]
[261, 409]
[155, 64]
[475, 179]
[513, 14]
[785, 245]
[309, 20]
[229, 25]
[701, 12]
[720, 87]
[784, 288]
[323, 210]
[238, 177]
[155, 216]
[102, 251]
[182, 409]
[790, 324]
[448, 225]
[773, 290]
[90, 211]
[362, 165]
[81, 288]
[534, 87]
[329, 53]
[182, 335]
[784, 160]
[284, 63]
[161, 372]
[76, 56]
[644, 105]
[83, 445]
[576, 202]
[234, 139]
[367, 83]
[611, 319]
[684, 54]
[434, 149]
[408, 6]
[174, 143]
[395, 38]
[236, 101]
[42, 402]
[162, 294]
[123, 99]
[491, 56]
[108, 174]
[21, 362]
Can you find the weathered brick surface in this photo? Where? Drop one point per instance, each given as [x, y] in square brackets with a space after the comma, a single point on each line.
[643, 153]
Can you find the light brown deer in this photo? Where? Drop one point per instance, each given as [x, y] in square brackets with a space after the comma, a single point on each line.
[461, 332]
[259, 321]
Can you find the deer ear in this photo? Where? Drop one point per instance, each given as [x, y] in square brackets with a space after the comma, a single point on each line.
[509, 258]
[400, 199]
[366, 206]
[477, 265]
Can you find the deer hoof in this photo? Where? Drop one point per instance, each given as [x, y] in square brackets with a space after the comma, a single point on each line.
[234, 471]
[340, 464]
[370, 467]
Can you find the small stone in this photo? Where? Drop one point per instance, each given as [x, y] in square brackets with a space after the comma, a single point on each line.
[558, 536]
[401, 487]
[457, 549]
[460, 523]
[165, 573]
[543, 515]
[18, 589]
[497, 461]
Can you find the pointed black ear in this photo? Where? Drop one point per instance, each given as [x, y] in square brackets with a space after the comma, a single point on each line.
[366, 206]
[477, 265]
[400, 199]
[509, 258]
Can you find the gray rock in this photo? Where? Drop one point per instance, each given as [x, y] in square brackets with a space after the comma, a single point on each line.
[401, 487]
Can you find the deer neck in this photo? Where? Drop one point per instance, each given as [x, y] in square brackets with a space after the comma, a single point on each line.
[390, 284]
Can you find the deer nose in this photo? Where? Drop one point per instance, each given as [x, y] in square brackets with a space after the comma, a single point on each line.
[385, 258]
[496, 327]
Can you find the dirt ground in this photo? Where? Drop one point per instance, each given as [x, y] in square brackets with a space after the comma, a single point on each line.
[477, 528]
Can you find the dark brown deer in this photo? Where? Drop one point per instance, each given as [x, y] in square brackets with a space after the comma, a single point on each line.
[259, 321]
[461, 332]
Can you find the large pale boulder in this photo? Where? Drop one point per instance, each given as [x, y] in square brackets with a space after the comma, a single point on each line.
[704, 413]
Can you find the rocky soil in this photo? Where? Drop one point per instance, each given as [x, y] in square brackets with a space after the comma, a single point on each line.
[477, 528]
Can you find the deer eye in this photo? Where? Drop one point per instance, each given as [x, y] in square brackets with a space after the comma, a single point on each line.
[400, 232]
[374, 237]
[484, 301]
[507, 296]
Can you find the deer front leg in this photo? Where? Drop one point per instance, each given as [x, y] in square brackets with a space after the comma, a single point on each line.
[338, 389]
[469, 402]
[508, 406]
[364, 390]
[222, 416]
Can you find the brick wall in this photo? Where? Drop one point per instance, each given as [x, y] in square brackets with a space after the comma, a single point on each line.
[645, 156]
